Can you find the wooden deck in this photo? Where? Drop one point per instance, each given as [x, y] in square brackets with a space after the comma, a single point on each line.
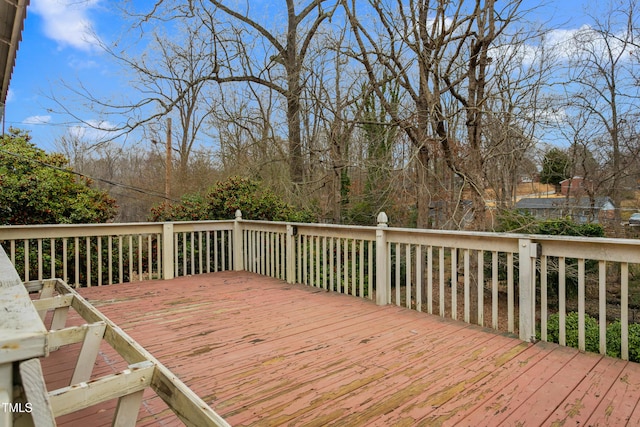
[263, 352]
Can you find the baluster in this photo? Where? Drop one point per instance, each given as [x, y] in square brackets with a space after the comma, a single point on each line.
[467, 287]
[229, 250]
[317, 264]
[338, 266]
[602, 294]
[131, 260]
[53, 257]
[430, 279]
[480, 288]
[441, 271]
[76, 242]
[99, 244]
[331, 264]
[398, 260]
[200, 253]
[370, 266]
[562, 295]
[208, 243]
[140, 277]
[581, 303]
[624, 310]
[223, 253]
[454, 283]
[543, 298]
[26, 259]
[193, 253]
[353, 267]
[361, 260]
[88, 249]
[304, 261]
[109, 259]
[419, 267]
[407, 279]
[510, 294]
[494, 289]
[345, 266]
[120, 263]
[39, 259]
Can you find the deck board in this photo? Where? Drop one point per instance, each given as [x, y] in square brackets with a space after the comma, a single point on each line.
[263, 352]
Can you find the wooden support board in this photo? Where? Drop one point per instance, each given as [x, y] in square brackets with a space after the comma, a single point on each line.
[36, 393]
[79, 396]
[187, 405]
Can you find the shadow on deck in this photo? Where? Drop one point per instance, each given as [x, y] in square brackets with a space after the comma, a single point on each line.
[262, 352]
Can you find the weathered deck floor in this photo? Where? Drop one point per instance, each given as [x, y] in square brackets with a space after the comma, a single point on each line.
[262, 352]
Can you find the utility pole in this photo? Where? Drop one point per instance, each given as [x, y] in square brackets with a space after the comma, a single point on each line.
[167, 178]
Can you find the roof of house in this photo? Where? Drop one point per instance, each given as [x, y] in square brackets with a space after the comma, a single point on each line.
[12, 16]
[563, 202]
[575, 178]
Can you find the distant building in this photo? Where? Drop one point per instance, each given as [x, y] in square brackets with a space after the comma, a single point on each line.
[579, 209]
[576, 186]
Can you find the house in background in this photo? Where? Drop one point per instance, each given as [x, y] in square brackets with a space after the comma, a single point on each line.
[580, 209]
[575, 187]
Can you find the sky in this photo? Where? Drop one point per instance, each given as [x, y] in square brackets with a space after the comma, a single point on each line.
[61, 49]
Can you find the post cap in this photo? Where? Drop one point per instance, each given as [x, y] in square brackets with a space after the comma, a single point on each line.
[382, 219]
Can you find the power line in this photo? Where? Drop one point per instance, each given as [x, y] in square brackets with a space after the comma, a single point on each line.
[106, 181]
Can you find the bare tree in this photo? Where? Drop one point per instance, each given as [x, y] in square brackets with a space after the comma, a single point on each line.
[515, 108]
[438, 51]
[602, 86]
[275, 51]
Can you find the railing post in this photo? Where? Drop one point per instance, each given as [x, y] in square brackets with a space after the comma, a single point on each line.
[238, 247]
[291, 254]
[383, 285]
[167, 251]
[528, 253]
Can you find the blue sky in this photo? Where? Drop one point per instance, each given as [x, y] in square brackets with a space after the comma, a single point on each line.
[60, 47]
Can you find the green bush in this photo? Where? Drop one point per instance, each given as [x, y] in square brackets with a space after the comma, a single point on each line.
[614, 341]
[519, 221]
[592, 335]
[223, 199]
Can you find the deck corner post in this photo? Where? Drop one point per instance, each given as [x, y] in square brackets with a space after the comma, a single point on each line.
[383, 284]
[290, 253]
[167, 251]
[527, 289]
[238, 248]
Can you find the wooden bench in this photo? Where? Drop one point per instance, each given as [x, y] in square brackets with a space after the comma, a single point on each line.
[24, 338]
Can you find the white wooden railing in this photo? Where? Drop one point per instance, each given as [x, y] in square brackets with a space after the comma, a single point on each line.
[508, 282]
[97, 254]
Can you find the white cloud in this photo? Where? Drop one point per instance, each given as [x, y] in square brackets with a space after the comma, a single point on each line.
[68, 22]
[82, 64]
[37, 120]
[93, 131]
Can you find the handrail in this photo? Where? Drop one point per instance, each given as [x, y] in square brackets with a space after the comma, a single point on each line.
[504, 281]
